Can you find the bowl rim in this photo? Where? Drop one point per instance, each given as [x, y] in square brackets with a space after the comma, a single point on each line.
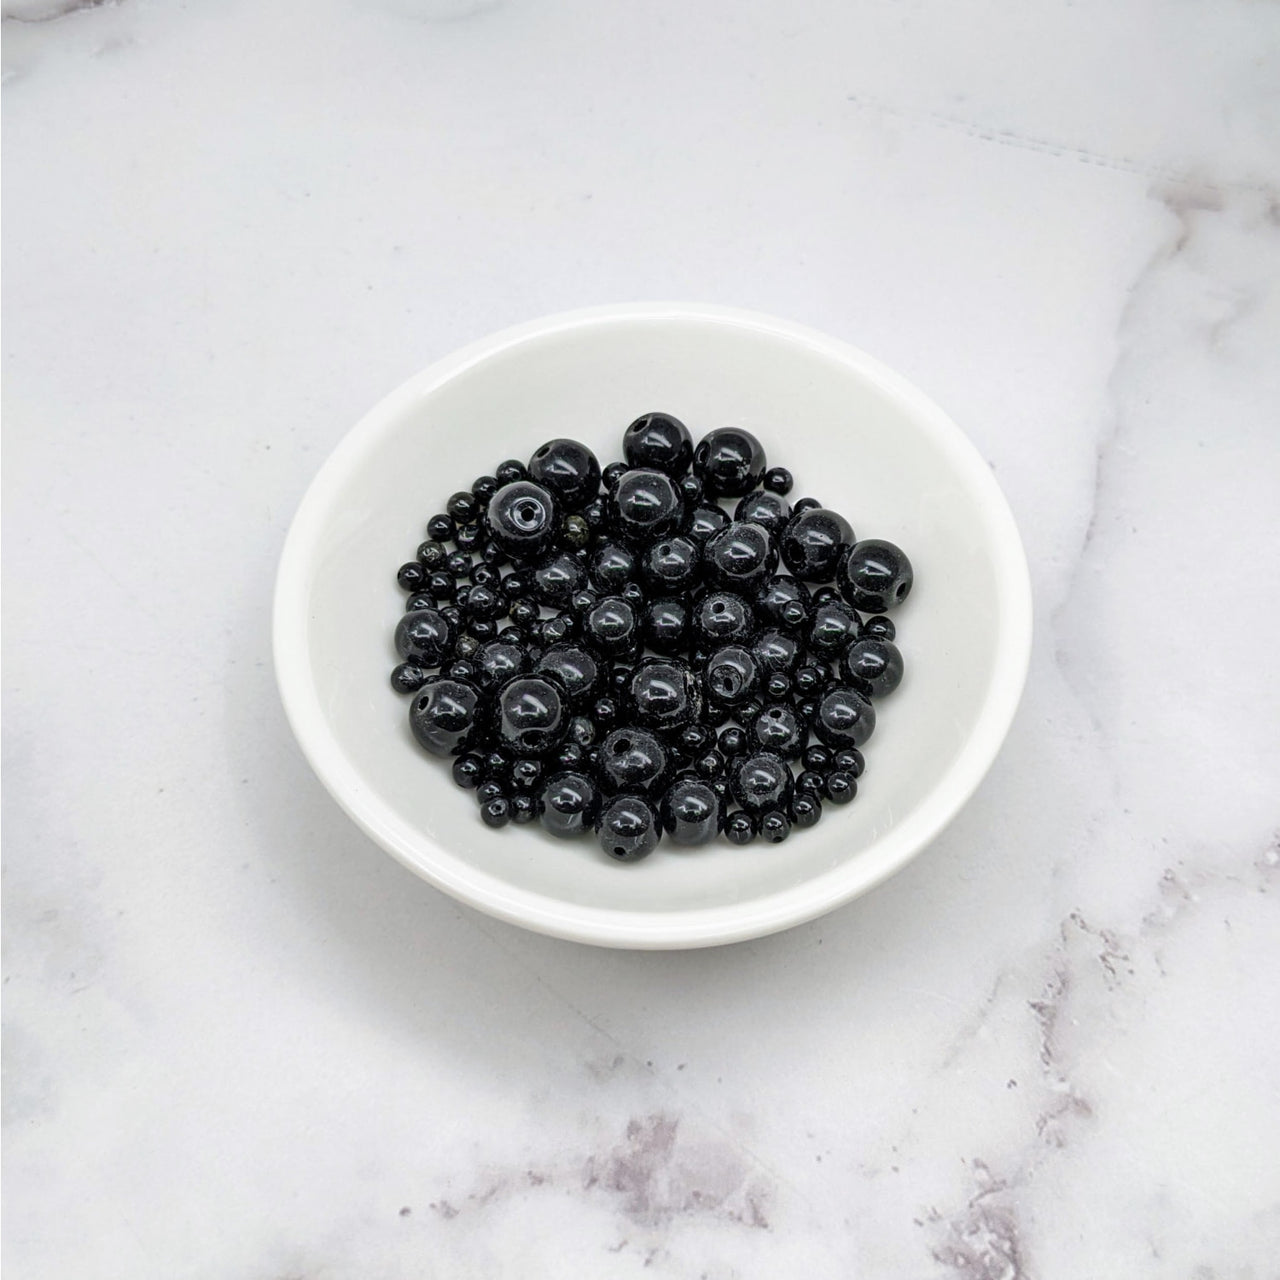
[650, 930]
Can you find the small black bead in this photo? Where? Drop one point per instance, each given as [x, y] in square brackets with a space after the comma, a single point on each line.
[482, 628]
[691, 489]
[517, 585]
[805, 504]
[740, 558]
[526, 774]
[632, 759]
[568, 803]
[470, 537]
[876, 576]
[557, 578]
[706, 521]
[809, 679]
[710, 765]
[612, 567]
[694, 739]
[740, 827]
[732, 742]
[462, 507]
[659, 442]
[582, 730]
[489, 790]
[409, 677]
[452, 614]
[817, 757]
[874, 667]
[778, 480]
[497, 766]
[411, 576]
[568, 470]
[595, 515]
[575, 532]
[604, 712]
[761, 782]
[468, 771]
[485, 575]
[633, 594]
[628, 829]
[525, 808]
[522, 519]
[613, 473]
[806, 810]
[780, 730]
[775, 826]
[841, 787]
[465, 646]
[814, 542]
[463, 669]
[420, 600]
[750, 709]
[425, 637]
[849, 761]
[879, 627]
[691, 811]
[584, 601]
[510, 471]
[665, 625]
[497, 812]
[483, 602]
[671, 565]
[524, 613]
[493, 554]
[723, 617]
[784, 601]
[778, 686]
[441, 528]
[768, 510]
[811, 782]
[843, 718]
[731, 676]
[645, 505]
[458, 564]
[570, 756]
[483, 489]
[611, 627]
[559, 629]
[729, 462]
[432, 554]
[461, 596]
[531, 716]
[833, 627]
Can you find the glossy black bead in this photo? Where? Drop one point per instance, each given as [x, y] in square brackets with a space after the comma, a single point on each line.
[582, 730]
[576, 669]
[777, 686]
[809, 678]
[775, 826]
[425, 637]
[825, 595]
[557, 578]
[811, 782]
[411, 576]
[807, 708]
[571, 757]
[532, 716]
[432, 554]
[441, 528]
[776, 651]
[740, 558]
[498, 661]
[879, 627]
[484, 602]
[485, 487]
[817, 757]
[465, 646]
[872, 666]
[485, 575]
[595, 514]
[690, 491]
[584, 601]
[806, 810]
[497, 767]
[568, 470]
[517, 585]
[833, 627]
[645, 505]
[671, 565]
[848, 760]
[722, 617]
[740, 827]
[492, 553]
[522, 519]
[748, 710]
[458, 565]
[482, 628]
[525, 808]
[610, 476]
[445, 716]
[463, 669]
[841, 787]
[778, 729]
[876, 576]
[468, 771]
[575, 532]
[610, 628]
[461, 596]
[526, 774]
[665, 625]
[732, 676]
[489, 790]
[508, 472]
[691, 812]
[633, 594]
[604, 711]
[766, 509]
[569, 803]
[664, 694]
[619, 679]
[784, 601]
[732, 742]
[462, 508]
[813, 543]
[496, 812]
[844, 718]
[628, 829]
[805, 504]
[470, 537]
[705, 522]
[659, 442]
[631, 759]
[710, 765]
[524, 614]
[729, 462]
[612, 567]
[761, 782]
[778, 480]
[409, 677]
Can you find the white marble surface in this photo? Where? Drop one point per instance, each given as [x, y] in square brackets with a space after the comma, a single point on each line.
[240, 1042]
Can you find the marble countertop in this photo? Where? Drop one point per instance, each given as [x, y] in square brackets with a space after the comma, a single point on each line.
[241, 1042]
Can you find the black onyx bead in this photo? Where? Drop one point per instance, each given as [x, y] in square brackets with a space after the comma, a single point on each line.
[761, 782]
[441, 528]
[872, 666]
[463, 669]
[468, 771]
[611, 627]
[809, 678]
[732, 676]
[575, 532]
[522, 519]
[576, 670]
[571, 757]
[710, 765]
[645, 505]
[660, 442]
[817, 757]
[721, 617]
[619, 679]
[568, 470]
[775, 826]
[492, 553]
[485, 575]
[496, 812]
[497, 767]
[748, 710]
[664, 694]
[690, 490]
[584, 601]
[806, 810]
[458, 565]
[628, 829]
[484, 602]
[612, 567]
[692, 813]
[807, 708]
[524, 808]
[425, 636]
[524, 613]
[766, 509]
[848, 760]
[732, 742]
[432, 554]
[558, 629]
[729, 462]
[445, 716]
[409, 677]
[482, 628]
[805, 504]
[466, 647]
[778, 729]
[777, 686]
[665, 625]
[811, 782]
[612, 474]
[824, 595]
[462, 507]
[489, 790]
[582, 730]
[462, 595]
[813, 543]
[508, 473]
[633, 594]
[876, 576]
[525, 774]
[499, 661]
[485, 487]
[604, 712]
[517, 585]
[595, 514]
[740, 827]
[632, 759]
[740, 558]
[841, 787]
[671, 565]
[469, 537]
[833, 627]
[694, 739]
[778, 480]
[880, 627]
[776, 651]
[569, 803]
[532, 716]
[784, 602]
[411, 576]
[557, 578]
[844, 718]
[705, 522]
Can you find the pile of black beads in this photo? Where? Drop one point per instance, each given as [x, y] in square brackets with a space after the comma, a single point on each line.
[615, 652]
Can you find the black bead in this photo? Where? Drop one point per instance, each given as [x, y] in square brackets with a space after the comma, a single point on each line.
[833, 627]
[740, 558]
[445, 716]
[489, 790]
[731, 676]
[841, 787]
[761, 782]
[811, 782]
[526, 774]
[665, 625]
[825, 595]
[482, 628]
[409, 677]
[604, 712]
[483, 490]
[484, 602]
[710, 765]
[805, 504]
[817, 757]
[766, 509]
[879, 627]
[775, 826]
[524, 808]
[849, 760]
[584, 601]
[690, 490]
[776, 651]
[498, 661]
[465, 646]
[721, 617]
[522, 519]
[517, 585]
[632, 759]
[778, 480]
[462, 507]
[432, 554]
[628, 829]
[582, 731]
[575, 532]
[611, 627]
[595, 514]
[524, 613]
[468, 771]
[568, 470]
[425, 637]
[729, 462]
[571, 757]
[411, 576]
[876, 576]
[692, 813]
[569, 803]
[813, 543]
[779, 729]
[577, 671]
[740, 827]
[633, 594]
[809, 678]
[645, 505]
[778, 686]
[732, 742]
[463, 669]
[441, 528]
[748, 710]
[497, 767]
[492, 553]
[671, 565]
[806, 810]
[497, 812]
[557, 578]
[659, 442]
[784, 601]
[706, 521]
[469, 537]
[612, 474]
[612, 567]
[844, 718]
[461, 596]
[509, 472]
[532, 716]
[664, 693]
[458, 565]
[872, 666]
[485, 575]
[694, 739]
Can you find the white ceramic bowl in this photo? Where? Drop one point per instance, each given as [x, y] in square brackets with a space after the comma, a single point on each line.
[856, 435]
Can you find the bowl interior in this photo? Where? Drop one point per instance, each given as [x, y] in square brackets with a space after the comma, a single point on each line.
[855, 437]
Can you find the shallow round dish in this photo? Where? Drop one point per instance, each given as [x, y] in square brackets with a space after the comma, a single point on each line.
[855, 434]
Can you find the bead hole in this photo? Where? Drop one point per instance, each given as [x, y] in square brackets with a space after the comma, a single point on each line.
[902, 590]
[622, 744]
